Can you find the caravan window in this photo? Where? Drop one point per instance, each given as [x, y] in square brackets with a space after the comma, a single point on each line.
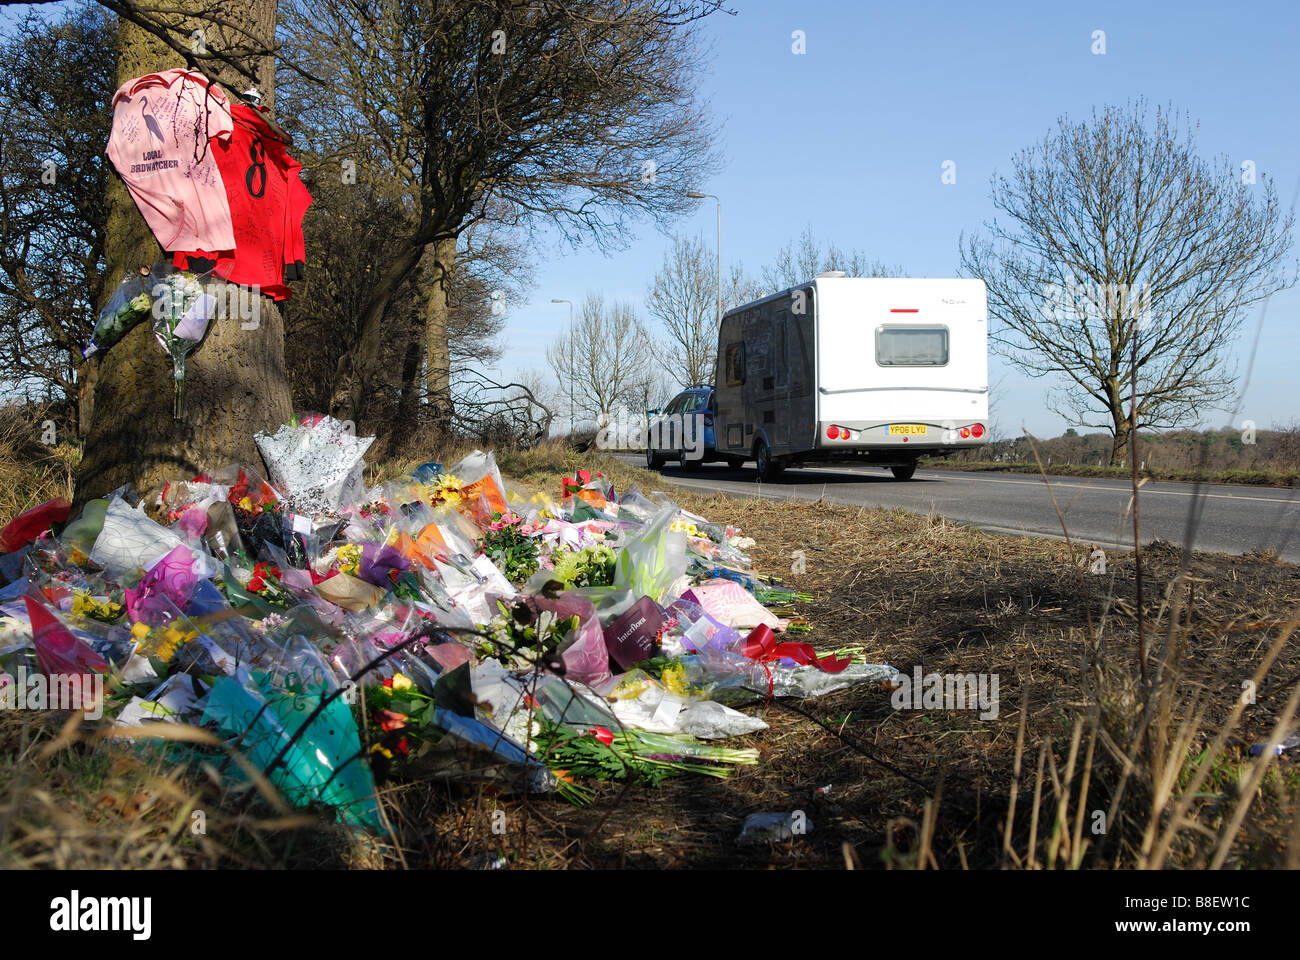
[735, 362]
[911, 346]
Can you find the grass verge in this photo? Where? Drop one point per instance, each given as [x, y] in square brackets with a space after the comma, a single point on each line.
[1085, 765]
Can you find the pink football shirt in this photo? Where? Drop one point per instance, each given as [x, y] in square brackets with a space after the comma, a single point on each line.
[160, 147]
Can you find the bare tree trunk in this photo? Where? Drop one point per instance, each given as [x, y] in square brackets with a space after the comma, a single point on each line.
[437, 369]
[1119, 451]
[235, 384]
[360, 371]
[86, 378]
[408, 406]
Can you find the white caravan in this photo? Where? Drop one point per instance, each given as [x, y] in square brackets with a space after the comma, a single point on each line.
[854, 369]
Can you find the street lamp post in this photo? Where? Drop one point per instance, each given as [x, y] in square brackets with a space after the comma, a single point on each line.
[570, 303]
[696, 195]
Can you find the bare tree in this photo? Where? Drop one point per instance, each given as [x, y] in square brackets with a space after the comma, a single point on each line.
[55, 89]
[739, 287]
[799, 261]
[683, 297]
[1116, 238]
[206, 35]
[581, 113]
[606, 363]
[500, 413]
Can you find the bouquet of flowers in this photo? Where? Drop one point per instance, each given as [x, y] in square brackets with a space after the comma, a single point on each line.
[505, 543]
[399, 712]
[589, 567]
[102, 609]
[348, 558]
[130, 304]
[265, 583]
[446, 490]
[181, 311]
[770, 596]
[571, 485]
[649, 758]
[523, 636]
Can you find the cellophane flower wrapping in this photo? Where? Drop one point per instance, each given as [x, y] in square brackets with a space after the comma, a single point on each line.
[130, 304]
[317, 468]
[182, 309]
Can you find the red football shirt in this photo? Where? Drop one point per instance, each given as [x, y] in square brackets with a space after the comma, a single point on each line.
[267, 202]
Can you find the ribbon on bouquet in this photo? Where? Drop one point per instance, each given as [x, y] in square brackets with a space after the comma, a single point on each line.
[761, 645]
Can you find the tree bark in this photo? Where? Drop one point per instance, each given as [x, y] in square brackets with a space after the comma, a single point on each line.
[1119, 451]
[437, 369]
[359, 371]
[235, 384]
[408, 406]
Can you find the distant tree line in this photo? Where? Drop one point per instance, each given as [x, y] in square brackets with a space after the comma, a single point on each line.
[1277, 448]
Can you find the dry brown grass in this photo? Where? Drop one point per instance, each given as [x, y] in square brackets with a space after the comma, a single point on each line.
[935, 788]
[31, 471]
[72, 799]
[1077, 732]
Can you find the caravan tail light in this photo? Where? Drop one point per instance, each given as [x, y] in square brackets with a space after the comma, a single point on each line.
[977, 431]
[965, 432]
[832, 432]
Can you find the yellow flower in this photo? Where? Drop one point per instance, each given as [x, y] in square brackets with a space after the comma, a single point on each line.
[402, 682]
[380, 748]
[629, 688]
[246, 504]
[84, 605]
[349, 558]
[674, 680]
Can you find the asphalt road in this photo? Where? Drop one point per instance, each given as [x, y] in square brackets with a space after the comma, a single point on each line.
[1231, 519]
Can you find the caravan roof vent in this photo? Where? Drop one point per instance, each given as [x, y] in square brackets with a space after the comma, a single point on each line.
[831, 273]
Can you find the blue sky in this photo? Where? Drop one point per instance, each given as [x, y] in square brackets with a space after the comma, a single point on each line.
[850, 138]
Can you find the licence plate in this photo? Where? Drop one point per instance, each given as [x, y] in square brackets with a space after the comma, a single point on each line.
[906, 429]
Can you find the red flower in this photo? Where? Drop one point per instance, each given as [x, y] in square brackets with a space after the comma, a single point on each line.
[402, 746]
[239, 489]
[389, 683]
[603, 735]
[256, 583]
[394, 721]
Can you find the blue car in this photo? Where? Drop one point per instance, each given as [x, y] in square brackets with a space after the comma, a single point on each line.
[683, 431]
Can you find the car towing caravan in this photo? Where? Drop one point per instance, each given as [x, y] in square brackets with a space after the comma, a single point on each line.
[854, 369]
